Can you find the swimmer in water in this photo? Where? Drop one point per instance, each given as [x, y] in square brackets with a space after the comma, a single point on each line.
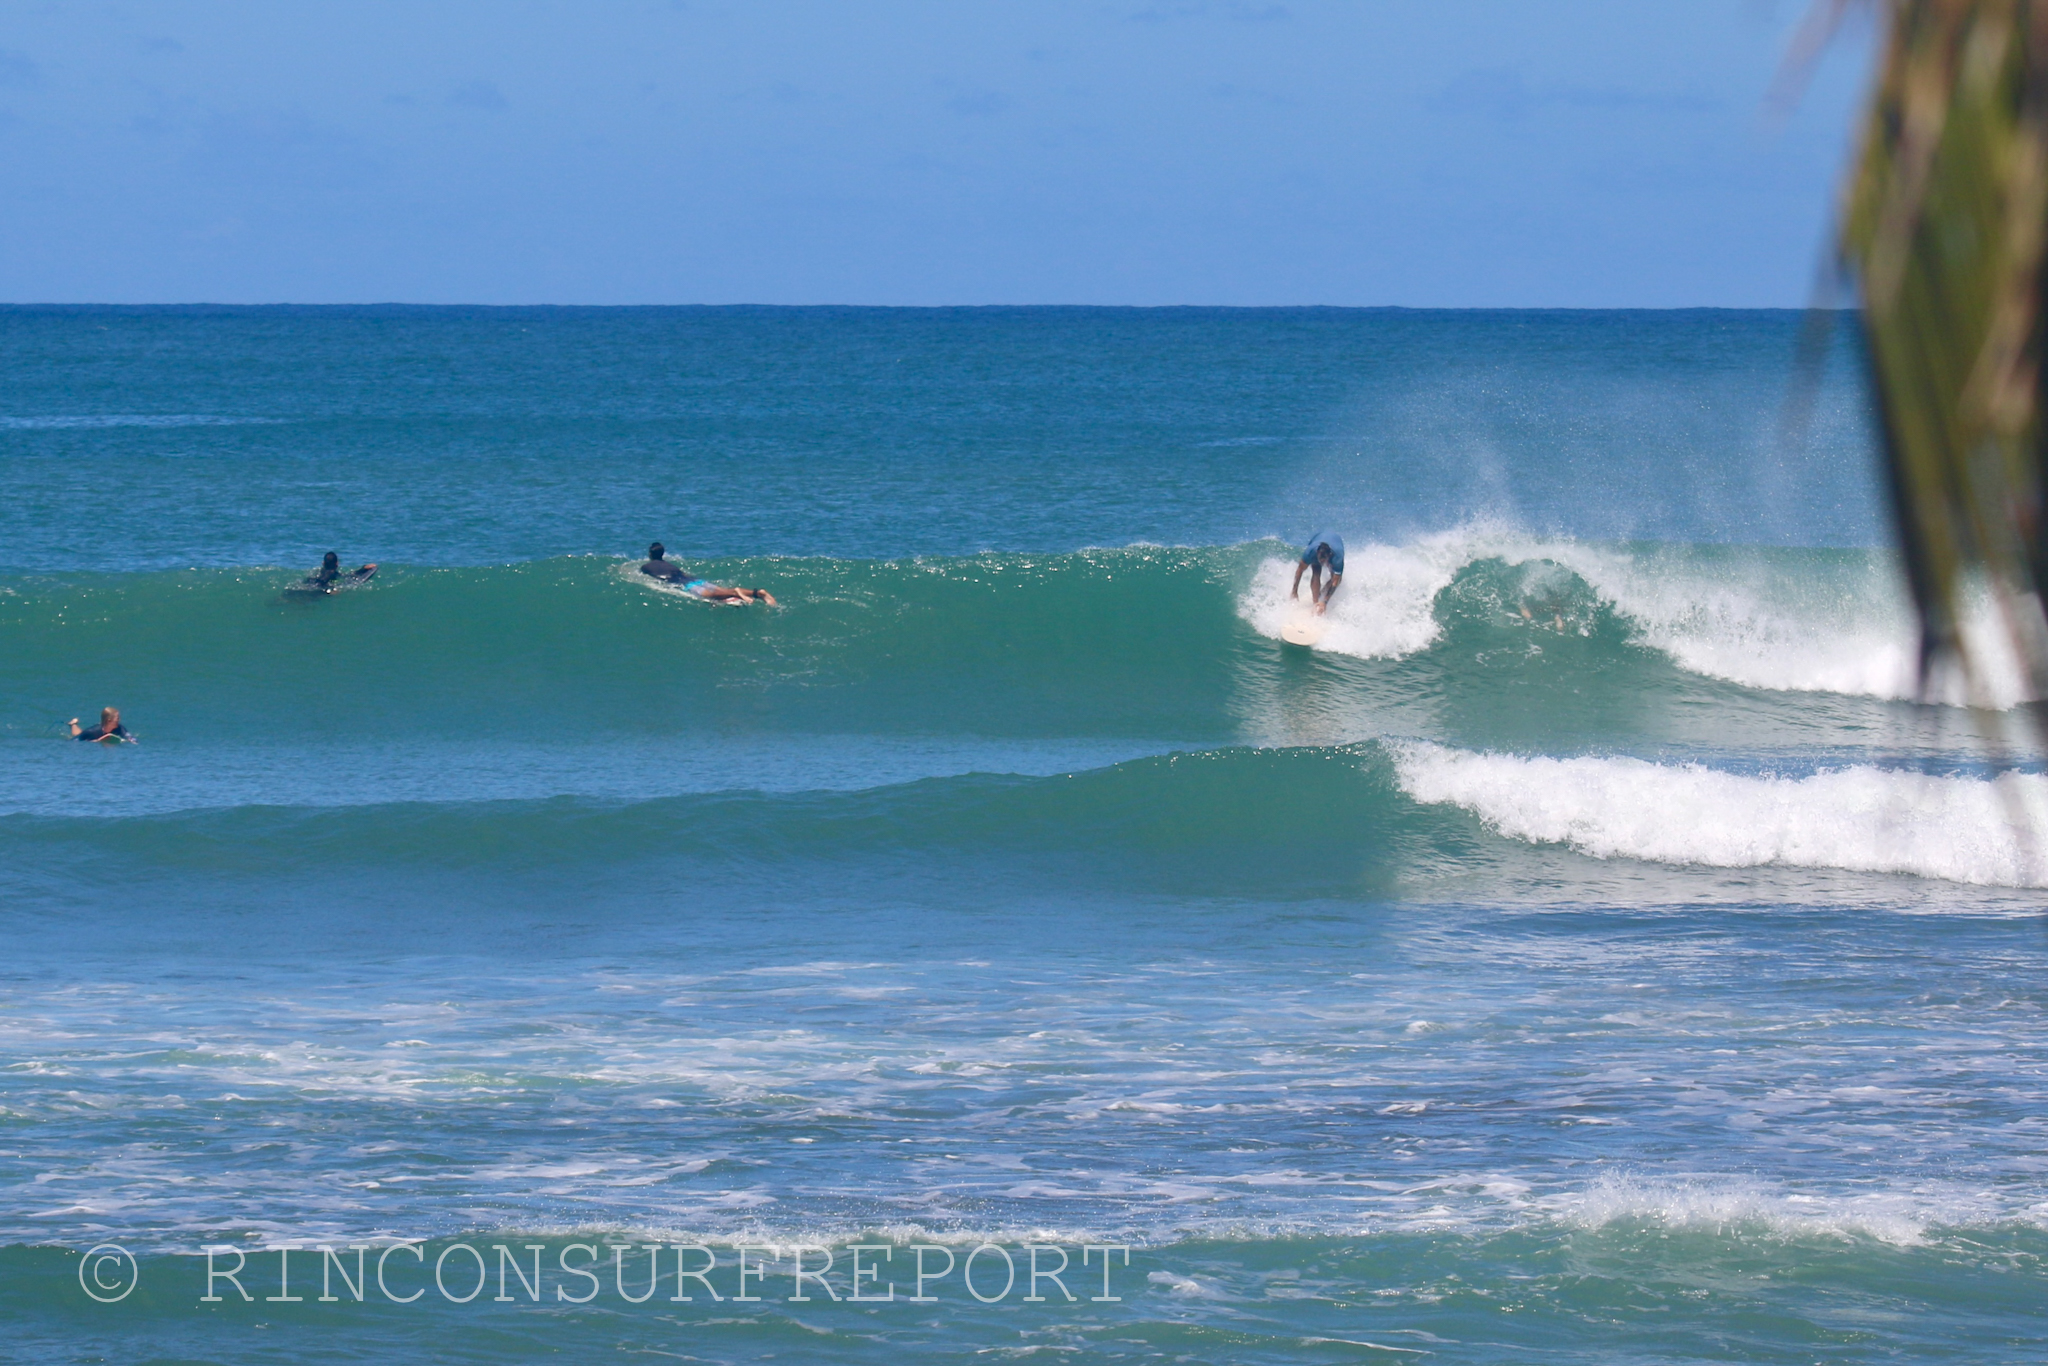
[109, 728]
[656, 567]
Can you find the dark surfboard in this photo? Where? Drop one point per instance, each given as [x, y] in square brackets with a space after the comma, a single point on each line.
[310, 587]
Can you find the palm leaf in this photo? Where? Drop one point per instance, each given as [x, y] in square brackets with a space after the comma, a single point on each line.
[1944, 224]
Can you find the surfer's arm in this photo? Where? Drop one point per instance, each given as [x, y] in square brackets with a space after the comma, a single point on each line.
[1323, 603]
[1295, 591]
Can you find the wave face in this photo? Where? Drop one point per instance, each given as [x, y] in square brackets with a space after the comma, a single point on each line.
[1228, 822]
[1141, 641]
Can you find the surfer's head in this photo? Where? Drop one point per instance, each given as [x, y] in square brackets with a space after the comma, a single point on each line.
[656, 551]
[330, 561]
[110, 717]
[1322, 552]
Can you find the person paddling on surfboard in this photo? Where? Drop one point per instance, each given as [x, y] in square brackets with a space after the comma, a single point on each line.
[109, 728]
[328, 578]
[1323, 551]
[656, 567]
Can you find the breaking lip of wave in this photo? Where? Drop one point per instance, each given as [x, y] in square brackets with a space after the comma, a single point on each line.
[1861, 819]
[58, 422]
[1760, 619]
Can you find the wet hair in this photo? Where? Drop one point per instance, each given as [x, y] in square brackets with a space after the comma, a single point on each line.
[330, 560]
[656, 551]
[110, 717]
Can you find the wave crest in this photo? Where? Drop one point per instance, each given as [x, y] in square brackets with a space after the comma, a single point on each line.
[1834, 621]
[1861, 819]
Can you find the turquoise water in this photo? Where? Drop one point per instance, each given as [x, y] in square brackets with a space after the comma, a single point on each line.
[1587, 953]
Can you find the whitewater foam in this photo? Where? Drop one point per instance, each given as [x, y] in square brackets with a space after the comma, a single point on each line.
[1384, 608]
[1863, 819]
[1795, 621]
[1903, 1217]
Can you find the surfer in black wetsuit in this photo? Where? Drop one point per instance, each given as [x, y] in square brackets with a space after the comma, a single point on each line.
[658, 568]
[328, 578]
[109, 728]
[655, 567]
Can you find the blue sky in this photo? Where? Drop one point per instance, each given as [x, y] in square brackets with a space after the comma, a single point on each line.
[1425, 153]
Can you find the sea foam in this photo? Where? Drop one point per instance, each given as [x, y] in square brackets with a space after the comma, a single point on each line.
[1789, 620]
[1723, 1205]
[1863, 819]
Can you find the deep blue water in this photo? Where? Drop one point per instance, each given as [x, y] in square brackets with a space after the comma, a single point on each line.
[1587, 952]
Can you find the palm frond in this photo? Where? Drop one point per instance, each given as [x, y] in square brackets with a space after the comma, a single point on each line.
[1944, 223]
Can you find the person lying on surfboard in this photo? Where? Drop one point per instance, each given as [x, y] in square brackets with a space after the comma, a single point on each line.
[328, 577]
[1323, 551]
[669, 572]
[109, 728]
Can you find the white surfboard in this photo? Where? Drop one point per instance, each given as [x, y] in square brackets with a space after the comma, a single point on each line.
[1304, 628]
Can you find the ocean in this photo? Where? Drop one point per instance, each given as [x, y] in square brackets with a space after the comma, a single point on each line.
[1591, 951]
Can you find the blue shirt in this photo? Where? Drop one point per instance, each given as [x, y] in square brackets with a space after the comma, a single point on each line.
[1336, 544]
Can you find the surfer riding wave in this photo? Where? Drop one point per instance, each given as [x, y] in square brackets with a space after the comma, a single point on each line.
[1323, 551]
